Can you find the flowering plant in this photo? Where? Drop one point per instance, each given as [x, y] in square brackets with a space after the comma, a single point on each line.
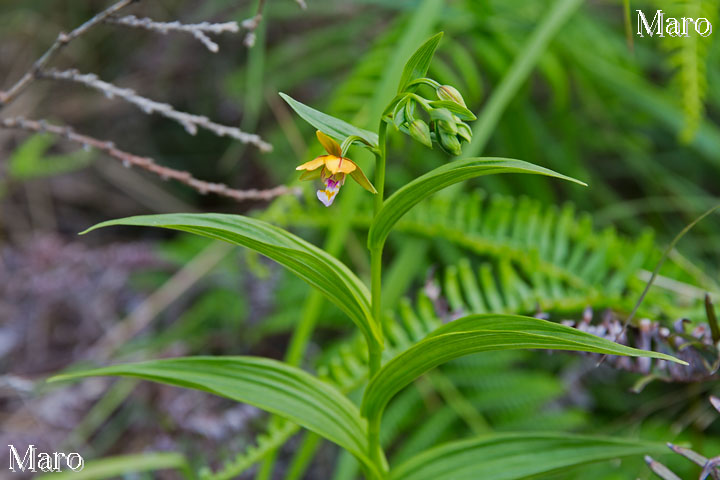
[308, 401]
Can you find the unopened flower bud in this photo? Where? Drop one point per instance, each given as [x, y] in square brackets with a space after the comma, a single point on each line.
[449, 143]
[450, 94]
[399, 118]
[464, 131]
[445, 120]
[420, 132]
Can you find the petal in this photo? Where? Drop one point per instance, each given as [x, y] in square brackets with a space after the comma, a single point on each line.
[360, 178]
[340, 165]
[330, 145]
[327, 196]
[313, 164]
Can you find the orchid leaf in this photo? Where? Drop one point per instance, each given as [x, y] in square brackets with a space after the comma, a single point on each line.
[483, 333]
[412, 193]
[268, 384]
[418, 64]
[513, 456]
[329, 125]
[318, 268]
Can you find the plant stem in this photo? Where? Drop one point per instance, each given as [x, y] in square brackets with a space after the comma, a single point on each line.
[375, 349]
[380, 166]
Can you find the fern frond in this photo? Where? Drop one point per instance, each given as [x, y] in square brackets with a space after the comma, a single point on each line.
[688, 57]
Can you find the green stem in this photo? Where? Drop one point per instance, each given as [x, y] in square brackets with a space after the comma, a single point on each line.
[380, 166]
[375, 349]
[376, 452]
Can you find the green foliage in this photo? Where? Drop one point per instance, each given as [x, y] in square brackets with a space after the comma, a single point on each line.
[310, 263]
[418, 64]
[454, 172]
[482, 333]
[30, 160]
[516, 456]
[267, 384]
[688, 58]
[330, 125]
[121, 465]
[522, 255]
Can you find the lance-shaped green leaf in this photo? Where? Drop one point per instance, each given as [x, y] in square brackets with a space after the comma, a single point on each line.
[511, 456]
[265, 383]
[418, 64]
[408, 196]
[319, 269]
[329, 125]
[483, 333]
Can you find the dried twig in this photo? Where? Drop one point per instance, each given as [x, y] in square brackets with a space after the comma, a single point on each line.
[251, 24]
[189, 121]
[63, 39]
[197, 30]
[129, 159]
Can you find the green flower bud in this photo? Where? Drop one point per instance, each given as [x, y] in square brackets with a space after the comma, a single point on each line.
[445, 120]
[410, 111]
[449, 143]
[420, 132]
[464, 131]
[399, 118]
[446, 92]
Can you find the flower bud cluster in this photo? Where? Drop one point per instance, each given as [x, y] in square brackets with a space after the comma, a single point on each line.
[444, 122]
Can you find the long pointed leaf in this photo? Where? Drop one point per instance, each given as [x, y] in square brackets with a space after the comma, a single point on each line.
[418, 64]
[329, 125]
[482, 333]
[515, 456]
[319, 269]
[265, 383]
[408, 196]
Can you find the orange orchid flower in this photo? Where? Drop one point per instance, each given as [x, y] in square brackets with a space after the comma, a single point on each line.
[334, 168]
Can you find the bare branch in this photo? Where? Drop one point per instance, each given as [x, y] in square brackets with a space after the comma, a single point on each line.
[63, 39]
[129, 159]
[189, 121]
[251, 24]
[197, 30]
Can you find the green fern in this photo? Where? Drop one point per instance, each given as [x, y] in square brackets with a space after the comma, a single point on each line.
[688, 57]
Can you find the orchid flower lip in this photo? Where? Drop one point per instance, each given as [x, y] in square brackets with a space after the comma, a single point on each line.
[327, 196]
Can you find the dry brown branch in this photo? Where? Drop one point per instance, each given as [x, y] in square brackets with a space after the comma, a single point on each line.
[198, 30]
[129, 159]
[189, 121]
[63, 39]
